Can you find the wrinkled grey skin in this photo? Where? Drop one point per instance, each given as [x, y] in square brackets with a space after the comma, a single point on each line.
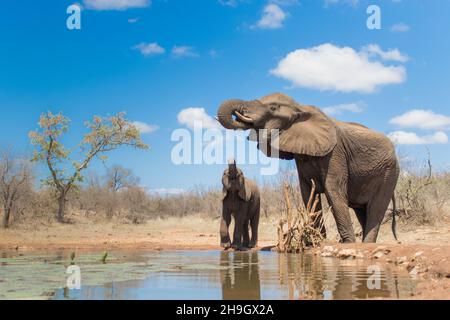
[352, 165]
[241, 200]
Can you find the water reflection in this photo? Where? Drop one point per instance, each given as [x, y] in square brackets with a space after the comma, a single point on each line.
[240, 276]
[314, 277]
[200, 275]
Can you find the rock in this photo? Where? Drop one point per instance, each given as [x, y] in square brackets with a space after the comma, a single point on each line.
[327, 254]
[413, 272]
[328, 249]
[347, 254]
[378, 254]
[382, 249]
[418, 254]
[402, 260]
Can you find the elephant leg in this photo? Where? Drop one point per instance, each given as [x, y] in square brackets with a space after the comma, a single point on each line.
[254, 222]
[237, 234]
[245, 234]
[361, 214]
[305, 189]
[240, 217]
[340, 210]
[376, 211]
[224, 225]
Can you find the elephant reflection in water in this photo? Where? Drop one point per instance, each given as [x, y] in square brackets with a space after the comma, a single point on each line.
[317, 278]
[240, 279]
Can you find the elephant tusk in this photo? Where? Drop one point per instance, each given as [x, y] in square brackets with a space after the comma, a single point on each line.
[243, 118]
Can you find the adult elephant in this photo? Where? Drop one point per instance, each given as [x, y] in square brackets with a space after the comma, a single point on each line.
[354, 166]
[241, 200]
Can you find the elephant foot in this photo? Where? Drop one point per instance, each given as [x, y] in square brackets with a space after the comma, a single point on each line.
[225, 245]
[347, 241]
[238, 247]
[252, 245]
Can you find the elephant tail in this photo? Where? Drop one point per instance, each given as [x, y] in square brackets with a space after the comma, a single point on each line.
[394, 223]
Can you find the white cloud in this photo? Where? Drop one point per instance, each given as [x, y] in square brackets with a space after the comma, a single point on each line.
[355, 107]
[149, 49]
[133, 20]
[400, 27]
[285, 2]
[213, 53]
[272, 18]
[328, 67]
[189, 116]
[352, 3]
[229, 3]
[115, 4]
[392, 54]
[167, 191]
[411, 138]
[422, 119]
[144, 127]
[184, 51]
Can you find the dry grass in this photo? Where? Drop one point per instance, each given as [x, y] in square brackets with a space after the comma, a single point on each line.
[423, 195]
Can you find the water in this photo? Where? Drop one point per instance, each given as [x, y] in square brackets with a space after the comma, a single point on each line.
[199, 275]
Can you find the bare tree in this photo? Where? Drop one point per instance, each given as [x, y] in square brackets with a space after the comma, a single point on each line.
[119, 178]
[15, 176]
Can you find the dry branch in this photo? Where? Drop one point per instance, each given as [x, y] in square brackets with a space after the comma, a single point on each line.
[303, 229]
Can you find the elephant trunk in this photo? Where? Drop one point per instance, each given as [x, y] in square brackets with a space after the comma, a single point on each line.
[226, 112]
[232, 169]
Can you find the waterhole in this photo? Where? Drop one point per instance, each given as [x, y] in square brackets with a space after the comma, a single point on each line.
[199, 275]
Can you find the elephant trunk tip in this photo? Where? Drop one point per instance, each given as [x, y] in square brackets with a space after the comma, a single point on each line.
[226, 113]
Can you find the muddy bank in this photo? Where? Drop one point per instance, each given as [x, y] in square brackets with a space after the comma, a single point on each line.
[430, 264]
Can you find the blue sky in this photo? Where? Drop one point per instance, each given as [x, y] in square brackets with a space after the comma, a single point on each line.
[154, 59]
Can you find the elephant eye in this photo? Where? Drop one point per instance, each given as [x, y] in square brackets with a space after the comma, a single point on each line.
[274, 107]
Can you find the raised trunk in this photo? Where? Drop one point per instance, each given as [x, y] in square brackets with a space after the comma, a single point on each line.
[226, 112]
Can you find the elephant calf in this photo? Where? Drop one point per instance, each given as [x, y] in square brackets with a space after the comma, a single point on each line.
[242, 200]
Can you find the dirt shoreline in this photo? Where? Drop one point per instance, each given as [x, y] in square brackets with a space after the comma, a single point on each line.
[429, 264]
[424, 252]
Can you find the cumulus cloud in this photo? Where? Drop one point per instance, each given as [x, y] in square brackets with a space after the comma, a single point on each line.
[392, 54]
[422, 119]
[184, 51]
[115, 4]
[145, 127]
[329, 67]
[400, 27]
[189, 116]
[355, 107]
[272, 18]
[411, 138]
[149, 49]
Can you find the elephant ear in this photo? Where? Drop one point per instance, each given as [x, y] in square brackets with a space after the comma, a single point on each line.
[312, 134]
[225, 184]
[245, 192]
